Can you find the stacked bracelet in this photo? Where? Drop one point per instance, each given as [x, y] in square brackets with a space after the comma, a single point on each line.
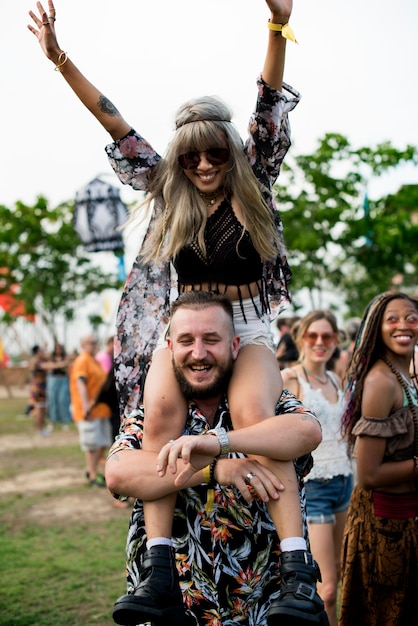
[212, 479]
[209, 471]
[222, 436]
[285, 29]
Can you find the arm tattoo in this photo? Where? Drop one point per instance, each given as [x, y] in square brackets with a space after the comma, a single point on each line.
[107, 107]
[309, 417]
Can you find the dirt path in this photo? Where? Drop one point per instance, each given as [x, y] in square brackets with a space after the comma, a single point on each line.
[83, 502]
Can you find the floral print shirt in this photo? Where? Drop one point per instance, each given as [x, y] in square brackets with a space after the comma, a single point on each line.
[144, 307]
[226, 555]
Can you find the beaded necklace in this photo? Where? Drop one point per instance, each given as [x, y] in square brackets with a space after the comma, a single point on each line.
[317, 378]
[412, 405]
[210, 198]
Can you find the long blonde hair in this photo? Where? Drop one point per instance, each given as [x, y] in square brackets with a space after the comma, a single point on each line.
[201, 124]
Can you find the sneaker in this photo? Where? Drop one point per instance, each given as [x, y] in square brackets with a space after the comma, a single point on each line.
[45, 432]
[99, 481]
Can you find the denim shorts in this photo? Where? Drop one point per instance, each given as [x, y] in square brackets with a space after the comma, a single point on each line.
[327, 496]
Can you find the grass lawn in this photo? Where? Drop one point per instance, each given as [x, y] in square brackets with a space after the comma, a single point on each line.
[61, 569]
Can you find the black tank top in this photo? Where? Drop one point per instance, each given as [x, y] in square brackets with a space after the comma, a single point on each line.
[230, 259]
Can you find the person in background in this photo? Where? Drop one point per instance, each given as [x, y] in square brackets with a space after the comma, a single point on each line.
[37, 390]
[86, 379]
[329, 484]
[58, 387]
[226, 550]
[380, 422]
[105, 356]
[109, 395]
[343, 359]
[286, 353]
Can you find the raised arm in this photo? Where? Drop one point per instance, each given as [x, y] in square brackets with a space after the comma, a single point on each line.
[105, 112]
[275, 57]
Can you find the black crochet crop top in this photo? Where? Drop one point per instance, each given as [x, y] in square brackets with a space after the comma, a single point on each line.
[231, 258]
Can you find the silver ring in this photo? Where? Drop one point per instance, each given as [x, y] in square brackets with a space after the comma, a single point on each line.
[172, 441]
[45, 24]
[52, 17]
[249, 478]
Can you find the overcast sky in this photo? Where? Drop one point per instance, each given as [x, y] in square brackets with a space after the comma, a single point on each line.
[355, 66]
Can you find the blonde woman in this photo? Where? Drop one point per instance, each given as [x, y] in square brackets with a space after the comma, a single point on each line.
[213, 216]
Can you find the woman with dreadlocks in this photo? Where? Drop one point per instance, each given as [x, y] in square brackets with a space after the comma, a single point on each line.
[380, 422]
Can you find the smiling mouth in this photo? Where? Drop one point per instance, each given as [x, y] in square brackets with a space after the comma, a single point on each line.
[200, 368]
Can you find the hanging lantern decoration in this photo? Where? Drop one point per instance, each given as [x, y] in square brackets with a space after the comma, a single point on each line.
[98, 212]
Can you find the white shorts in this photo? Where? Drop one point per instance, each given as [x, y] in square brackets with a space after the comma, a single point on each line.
[253, 329]
[95, 434]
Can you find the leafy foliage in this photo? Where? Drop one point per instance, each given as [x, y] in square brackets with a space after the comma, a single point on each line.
[339, 240]
[42, 254]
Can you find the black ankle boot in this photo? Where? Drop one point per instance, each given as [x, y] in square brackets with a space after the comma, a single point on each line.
[157, 598]
[298, 603]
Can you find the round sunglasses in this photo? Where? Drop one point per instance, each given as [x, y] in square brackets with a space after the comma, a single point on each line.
[215, 156]
[326, 338]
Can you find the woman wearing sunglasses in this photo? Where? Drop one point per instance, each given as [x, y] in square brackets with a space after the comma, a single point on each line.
[380, 422]
[329, 484]
[213, 216]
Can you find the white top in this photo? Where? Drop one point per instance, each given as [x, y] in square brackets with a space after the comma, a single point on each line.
[331, 456]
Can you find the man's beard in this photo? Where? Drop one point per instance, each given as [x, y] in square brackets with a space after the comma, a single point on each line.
[199, 392]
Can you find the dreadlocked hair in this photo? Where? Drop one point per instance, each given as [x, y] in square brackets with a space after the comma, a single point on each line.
[369, 347]
[202, 124]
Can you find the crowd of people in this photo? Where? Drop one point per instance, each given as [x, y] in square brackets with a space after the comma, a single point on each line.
[305, 479]
[77, 389]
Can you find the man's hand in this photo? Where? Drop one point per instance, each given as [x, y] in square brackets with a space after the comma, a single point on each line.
[191, 453]
[250, 477]
[182, 448]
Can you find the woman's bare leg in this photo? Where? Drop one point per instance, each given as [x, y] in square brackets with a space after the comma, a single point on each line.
[254, 391]
[165, 418]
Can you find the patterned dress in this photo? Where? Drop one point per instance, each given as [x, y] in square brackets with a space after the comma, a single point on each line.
[144, 307]
[227, 555]
[380, 553]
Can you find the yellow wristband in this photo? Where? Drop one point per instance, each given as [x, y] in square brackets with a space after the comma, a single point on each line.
[285, 29]
[206, 474]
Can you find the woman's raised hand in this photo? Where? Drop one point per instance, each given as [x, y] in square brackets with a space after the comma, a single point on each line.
[280, 8]
[45, 30]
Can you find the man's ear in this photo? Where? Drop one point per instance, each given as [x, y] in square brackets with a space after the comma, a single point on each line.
[169, 344]
[236, 342]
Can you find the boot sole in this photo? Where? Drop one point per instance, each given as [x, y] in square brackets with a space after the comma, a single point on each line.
[129, 613]
[296, 618]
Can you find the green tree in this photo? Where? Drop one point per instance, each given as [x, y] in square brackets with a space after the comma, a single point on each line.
[383, 246]
[42, 254]
[321, 198]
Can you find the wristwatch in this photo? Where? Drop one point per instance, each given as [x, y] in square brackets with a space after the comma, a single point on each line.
[222, 436]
